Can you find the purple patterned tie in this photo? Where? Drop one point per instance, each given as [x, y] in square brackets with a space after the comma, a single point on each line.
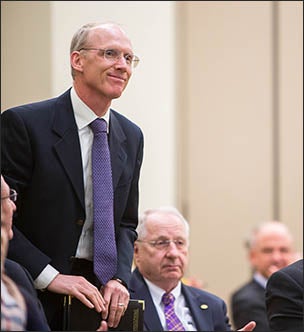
[105, 256]
[172, 321]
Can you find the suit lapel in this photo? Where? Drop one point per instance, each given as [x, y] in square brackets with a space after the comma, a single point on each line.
[67, 145]
[152, 322]
[139, 290]
[118, 152]
[199, 310]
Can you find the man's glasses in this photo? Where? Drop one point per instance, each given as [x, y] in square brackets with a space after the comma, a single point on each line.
[12, 195]
[114, 55]
[164, 244]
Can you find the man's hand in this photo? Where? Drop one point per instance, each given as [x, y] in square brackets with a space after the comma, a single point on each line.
[117, 299]
[80, 288]
[249, 326]
[103, 326]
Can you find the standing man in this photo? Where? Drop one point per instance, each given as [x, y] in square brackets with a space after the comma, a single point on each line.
[270, 247]
[161, 258]
[47, 157]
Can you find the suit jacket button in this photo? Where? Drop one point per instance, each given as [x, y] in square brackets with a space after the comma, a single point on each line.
[79, 222]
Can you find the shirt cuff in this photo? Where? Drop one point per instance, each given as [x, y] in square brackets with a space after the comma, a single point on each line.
[47, 275]
[120, 281]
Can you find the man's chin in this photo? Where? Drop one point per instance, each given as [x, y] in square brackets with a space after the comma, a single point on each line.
[172, 274]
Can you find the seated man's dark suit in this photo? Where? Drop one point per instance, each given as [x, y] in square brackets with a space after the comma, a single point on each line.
[284, 298]
[248, 303]
[36, 319]
[214, 318]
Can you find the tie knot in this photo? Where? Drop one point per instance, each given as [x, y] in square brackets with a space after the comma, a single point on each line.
[168, 298]
[98, 126]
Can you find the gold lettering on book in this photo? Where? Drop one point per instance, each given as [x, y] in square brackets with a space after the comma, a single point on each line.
[135, 319]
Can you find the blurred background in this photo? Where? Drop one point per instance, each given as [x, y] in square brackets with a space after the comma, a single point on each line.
[218, 95]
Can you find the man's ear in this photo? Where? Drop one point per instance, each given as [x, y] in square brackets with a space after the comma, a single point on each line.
[135, 248]
[76, 61]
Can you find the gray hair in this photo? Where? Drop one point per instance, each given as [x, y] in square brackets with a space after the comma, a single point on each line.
[80, 39]
[166, 210]
[266, 226]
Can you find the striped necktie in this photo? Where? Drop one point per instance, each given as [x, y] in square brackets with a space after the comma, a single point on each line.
[172, 321]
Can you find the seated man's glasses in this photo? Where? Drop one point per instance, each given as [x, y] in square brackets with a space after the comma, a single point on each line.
[12, 195]
[163, 244]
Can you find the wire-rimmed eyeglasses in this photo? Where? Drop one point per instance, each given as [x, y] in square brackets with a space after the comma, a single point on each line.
[164, 244]
[113, 55]
[12, 195]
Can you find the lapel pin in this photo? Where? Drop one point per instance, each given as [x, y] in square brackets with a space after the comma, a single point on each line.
[204, 306]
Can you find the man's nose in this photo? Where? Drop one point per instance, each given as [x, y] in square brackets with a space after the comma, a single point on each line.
[172, 249]
[121, 60]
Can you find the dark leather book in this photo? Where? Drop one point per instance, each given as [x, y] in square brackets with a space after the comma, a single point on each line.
[78, 317]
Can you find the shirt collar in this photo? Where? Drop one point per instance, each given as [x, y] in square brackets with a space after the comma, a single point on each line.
[157, 292]
[261, 280]
[83, 114]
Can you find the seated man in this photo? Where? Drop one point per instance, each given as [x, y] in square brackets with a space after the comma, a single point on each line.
[161, 257]
[36, 319]
[13, 308]
[18, 275]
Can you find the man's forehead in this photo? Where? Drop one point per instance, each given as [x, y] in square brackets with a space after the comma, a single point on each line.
[163, 223]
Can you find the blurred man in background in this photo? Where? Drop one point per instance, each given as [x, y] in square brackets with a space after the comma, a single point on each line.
[270, 248]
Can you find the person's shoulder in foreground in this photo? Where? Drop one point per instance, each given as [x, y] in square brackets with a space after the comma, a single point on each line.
[284, 298]
[36, 319]
[13, 307]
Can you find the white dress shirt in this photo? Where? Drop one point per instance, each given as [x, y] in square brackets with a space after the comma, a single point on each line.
[260, 279]
[180, 307]
[83, 116]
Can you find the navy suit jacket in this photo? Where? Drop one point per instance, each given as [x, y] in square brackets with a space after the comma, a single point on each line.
[214, 318]
[41, 159]
[36, 319]
[248, 303]
[284, 298]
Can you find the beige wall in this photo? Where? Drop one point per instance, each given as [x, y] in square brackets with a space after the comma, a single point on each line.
[214, 119]
[290, 102]
[240, 88]
[25, 52]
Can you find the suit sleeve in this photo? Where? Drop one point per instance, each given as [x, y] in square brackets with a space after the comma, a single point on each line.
[127, 233]
[245, 310]
[284, 303]
[16, 167]
[36, 319]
